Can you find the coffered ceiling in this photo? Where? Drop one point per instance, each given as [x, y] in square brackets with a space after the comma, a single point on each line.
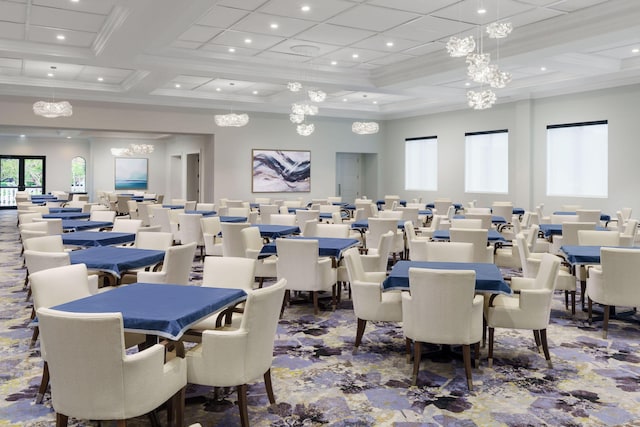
[376, 59]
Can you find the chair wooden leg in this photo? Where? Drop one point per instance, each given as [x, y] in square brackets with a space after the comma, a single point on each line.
[490, 355]
[44, 383]
[334, 303]
[536, 337]
[566, 300]
[121, 423]
[484, 332]
[61, 420]
[466, 356]
[545, 347]
[605, 321]
[34, 336]
[590, 311]
[407, 346]
[260, 282]
[316, 309]
[269, 386]
[573, 303]
[476, 350]
[242, 405]
[417, 355]
[178, 407]
[360, 331]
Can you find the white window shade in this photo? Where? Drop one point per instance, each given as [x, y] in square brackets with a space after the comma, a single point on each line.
[486, 163]
[577, 160]
[421, 164]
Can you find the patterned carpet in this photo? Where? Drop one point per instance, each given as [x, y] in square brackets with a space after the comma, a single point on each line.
[318, 380]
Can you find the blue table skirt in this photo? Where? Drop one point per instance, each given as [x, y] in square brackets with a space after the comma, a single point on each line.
[488, 276]
[364, 224]
[603, 217]
[64, 210]
[68, 215]
[328, 246]
[274, 231]
[233, 218]
[173, 206]
[158, 309]
[115, 260]
[556, 229]
[581, 254]
[203, 213]
[492, 235]
[494, 219]
[79, 224]
[97, 238]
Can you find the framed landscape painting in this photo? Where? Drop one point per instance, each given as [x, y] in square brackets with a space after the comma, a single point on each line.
[276, 171]
[131, 174]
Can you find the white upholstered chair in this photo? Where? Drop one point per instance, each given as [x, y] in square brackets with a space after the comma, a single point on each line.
[232, 242]
[191, 230]
[443, 252]
[442, 308]
[253, 242]
[176, 266]
[481, 251]
[236, 357]
[122, 225]
[211, 235]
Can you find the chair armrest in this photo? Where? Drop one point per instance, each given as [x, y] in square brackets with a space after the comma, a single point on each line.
[521, 283]
[251, 253]
[152, 277]
[534, 299]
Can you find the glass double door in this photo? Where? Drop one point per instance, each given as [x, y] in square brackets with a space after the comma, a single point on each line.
[20, 173]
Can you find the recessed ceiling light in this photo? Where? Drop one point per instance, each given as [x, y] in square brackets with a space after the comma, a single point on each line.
[375, 102]
[232, 49]
[334, 62]
[248, 41]
[23, 135]
[255, 92]
[218, 89]
[635, 50]
[355, 55]
[543, 68]
[482, 11]
[49, 74]
[467, 84]
[389, 44]
[344, 99]
[274, 26]
[100, 79]
[75, 1]
[177, 85]
[68, 137]
[305, 8]
[60, 37]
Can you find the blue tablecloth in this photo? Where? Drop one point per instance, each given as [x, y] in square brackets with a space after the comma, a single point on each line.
[494, 219]
[142, 198]
[581, 254]
[364, 224]
[97, 238]
[173, 206]
[115, 260]
[274, 231]
[163, 310]
[488, 276]
[457, 206]
[64, 210]
[233, 219]
[556, 229]
[518, 211]
[603, 217]
[80, 224]
[380, 203]
[68, 215]
[492, 235]
[327, 246]
[203, 213]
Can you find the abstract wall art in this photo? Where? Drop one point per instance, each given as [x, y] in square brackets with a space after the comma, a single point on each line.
[275, 171]
[131, 174]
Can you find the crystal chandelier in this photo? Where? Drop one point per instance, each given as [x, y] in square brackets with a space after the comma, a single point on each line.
[294, 86]
[296, 118]
[365, 128]
[133, 150]
[304, 109]
[499, 30]
[52, 109]
[481, 100]
[458, 48]
[231, 119]
[305, 129]
[317, 95]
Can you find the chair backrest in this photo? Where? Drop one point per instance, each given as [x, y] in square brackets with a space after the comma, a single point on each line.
[205, 206]
[441, 206]
[310, 228]
[108, 216]
[485, 219]
[27, 217]
[443, 298]
[158, 240]
[570, 208]
[211, 225]
[466, 223]
[620, 271]
[561, 219]
[626, 213]
[49, 243]
[58, 285]
[630, 228]
[144, 212]
[262, 200]
[34, 226]
[355, 269]
[122, 225]
[177, 263]
[385, 245]
[334, 199]
[133, 209]
[283, 219]
[333, 230]
[481, 253]
[447, 252]
[475, 210]
[228, 272]
[232, 243]
[379, 226]
[598, 238]
[524, 254]
[252, 241]
[503, 209]
[27, 234]
[588, 215]
[389, 199]
[298, 263]
[303, 215]
[266, 210]
[570, 231]
[54, 225]
[547, 272]
[238, 211]
[160, 216]
[397, 215]
[410, 214]
[359, 214]
[122, 205]
[190, 229]
[190, 205]
[410, 231]
[39, 261]
[236, 204]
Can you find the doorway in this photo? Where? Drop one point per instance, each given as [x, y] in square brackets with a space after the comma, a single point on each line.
[20, 173]
[356, 176]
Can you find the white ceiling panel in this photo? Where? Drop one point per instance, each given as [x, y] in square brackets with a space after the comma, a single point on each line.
[61, 72]
[428, 29]
[237, 51]
[13, 12]
[222, 17]
[304, 48]
[242, 4]
[364, 55]
[379, 42]
[467, 11]
[320, 10]
[72, 38]
[184, 44]
[390, 59]
[416, 6]
[66, 19]
[240, 38]
[11, 31]
[260, 23]
[200, 33]
[373, 18]
[334, 34]
[99, 7]
[573, 5]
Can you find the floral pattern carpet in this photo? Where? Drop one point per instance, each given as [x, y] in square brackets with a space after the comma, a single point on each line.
[319, 381]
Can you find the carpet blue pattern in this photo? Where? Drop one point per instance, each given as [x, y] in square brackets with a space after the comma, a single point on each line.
[319, 381]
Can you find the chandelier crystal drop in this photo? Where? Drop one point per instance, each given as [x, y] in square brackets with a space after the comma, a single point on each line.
[459, 47]
[304, 109]
[231, 119]
[294, 86]
[51, 110]
[481, 100]
[365, 128]
[317, 95]
[296, 118]
[498, 79]
[499, 30]
[133, 150]
[305, 129]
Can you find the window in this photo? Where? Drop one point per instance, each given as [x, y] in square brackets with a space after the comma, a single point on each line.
[577, 159]
[486, 166]
[78, 175]
[421, 163]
